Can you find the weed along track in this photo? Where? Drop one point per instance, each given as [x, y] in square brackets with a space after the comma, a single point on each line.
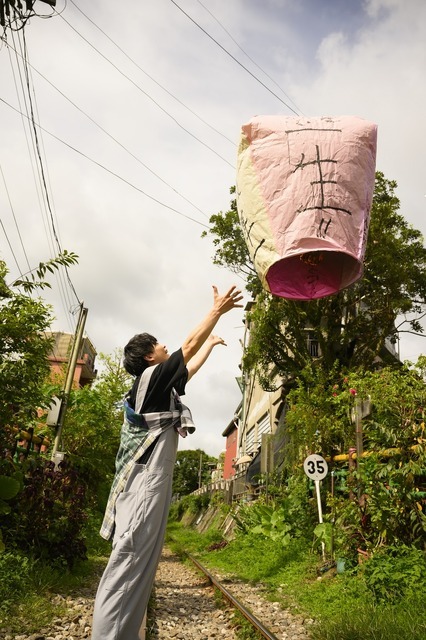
[190, 603]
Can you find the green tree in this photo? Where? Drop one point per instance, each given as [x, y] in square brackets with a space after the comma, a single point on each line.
[91, 433]
[24, 366]
[350, 327]
[186, 475]
[23, 344]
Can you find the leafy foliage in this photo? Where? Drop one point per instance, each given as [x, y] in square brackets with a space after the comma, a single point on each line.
[267, 520]
[350, 327]
[24, 366]
[386, 507]
[91, 432]
[186, 475]
[47, 517]
[23, 344]
[36, 278]
[396, 573]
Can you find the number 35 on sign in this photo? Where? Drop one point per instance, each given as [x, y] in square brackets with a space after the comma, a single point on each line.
[315, 467]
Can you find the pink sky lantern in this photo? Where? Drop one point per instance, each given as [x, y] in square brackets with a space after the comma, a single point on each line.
[304, 192]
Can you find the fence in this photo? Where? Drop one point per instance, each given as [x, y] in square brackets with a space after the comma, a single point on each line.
[233, 489]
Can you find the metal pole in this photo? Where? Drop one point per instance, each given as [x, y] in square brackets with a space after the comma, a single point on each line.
[358, 428]
[69, 378]
[317, 491]
[200, 470]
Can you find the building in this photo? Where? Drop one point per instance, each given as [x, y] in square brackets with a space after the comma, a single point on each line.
[231, 435]
[85, 371]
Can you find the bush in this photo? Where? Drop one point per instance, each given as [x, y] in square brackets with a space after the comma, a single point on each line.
[192, 504]
[14, 578]
[395, 572]
[48, 516]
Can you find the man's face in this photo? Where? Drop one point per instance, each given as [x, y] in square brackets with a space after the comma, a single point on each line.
[158, 354]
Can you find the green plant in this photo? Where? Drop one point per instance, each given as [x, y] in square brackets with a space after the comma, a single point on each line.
[47, 517]
[265, 520]
[9, 488]
[392, 574]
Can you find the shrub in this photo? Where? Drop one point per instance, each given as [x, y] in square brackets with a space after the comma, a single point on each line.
[394, 573]
[47, 517]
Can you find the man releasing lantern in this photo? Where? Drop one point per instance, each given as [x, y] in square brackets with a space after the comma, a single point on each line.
[304, 192]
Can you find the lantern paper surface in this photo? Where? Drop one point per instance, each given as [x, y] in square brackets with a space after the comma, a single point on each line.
[304, 192]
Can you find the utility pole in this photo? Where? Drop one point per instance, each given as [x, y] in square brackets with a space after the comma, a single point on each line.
[200, 471]
[78, 336]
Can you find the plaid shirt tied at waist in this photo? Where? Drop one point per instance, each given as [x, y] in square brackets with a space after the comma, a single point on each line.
[138, 432]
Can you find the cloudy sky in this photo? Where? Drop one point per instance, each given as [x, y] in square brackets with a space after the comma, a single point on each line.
[141, 106]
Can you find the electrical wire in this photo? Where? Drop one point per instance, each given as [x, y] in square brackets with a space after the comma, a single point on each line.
[36, 173]
[15, 220]
[41, 164]
[194, 113]
[113, 138]
[59, 273]
[234, 58]
[246, 54]
[135, 84]
[10, 246]
[99, 164]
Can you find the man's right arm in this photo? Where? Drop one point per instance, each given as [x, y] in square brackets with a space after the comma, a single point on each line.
[221, 305]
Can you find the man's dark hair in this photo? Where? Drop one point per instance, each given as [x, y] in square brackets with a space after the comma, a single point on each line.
[135, 351]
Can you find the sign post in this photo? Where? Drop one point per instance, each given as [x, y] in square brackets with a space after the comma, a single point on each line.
[316, 469]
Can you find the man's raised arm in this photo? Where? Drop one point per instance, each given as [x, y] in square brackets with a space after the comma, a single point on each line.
[221, 305]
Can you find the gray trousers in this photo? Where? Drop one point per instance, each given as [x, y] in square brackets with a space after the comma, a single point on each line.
[141, 519]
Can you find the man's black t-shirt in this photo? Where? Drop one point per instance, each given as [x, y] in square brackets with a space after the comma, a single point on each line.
[168, 374]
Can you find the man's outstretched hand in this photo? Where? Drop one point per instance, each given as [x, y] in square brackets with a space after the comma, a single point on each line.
[224, 303]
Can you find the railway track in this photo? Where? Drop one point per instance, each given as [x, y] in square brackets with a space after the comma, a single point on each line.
[239, 606]
[185, 606]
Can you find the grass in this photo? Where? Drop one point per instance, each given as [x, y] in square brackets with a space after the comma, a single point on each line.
[28, 586]
[341, 605]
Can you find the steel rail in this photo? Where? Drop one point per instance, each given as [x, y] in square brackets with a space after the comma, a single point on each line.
[233, 600]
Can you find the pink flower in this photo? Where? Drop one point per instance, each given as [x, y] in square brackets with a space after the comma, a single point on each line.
[352, 392]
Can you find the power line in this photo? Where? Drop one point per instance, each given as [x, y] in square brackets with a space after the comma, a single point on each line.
[112, 137]
[234, 58]
[130, 184]
[245, 53]
[61, 275]
[10, 246]
[152, 78]
[41, 165]
[147, 95]
[35, 170]
[16, 222]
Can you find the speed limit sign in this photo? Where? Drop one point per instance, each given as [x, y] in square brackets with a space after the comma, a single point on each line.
[315, 467]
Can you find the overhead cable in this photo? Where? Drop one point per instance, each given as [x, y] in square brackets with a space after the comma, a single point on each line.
[234, 58]
[99, 164]
[135, 84]
[41, 164]
[246, 54]
[113, 138]
[35, 169]
[152, 78]
[16, 223]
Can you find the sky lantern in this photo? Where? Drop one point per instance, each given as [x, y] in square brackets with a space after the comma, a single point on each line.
[304, 192]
